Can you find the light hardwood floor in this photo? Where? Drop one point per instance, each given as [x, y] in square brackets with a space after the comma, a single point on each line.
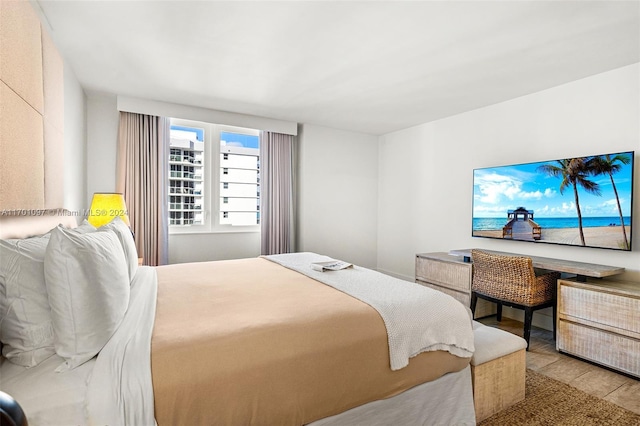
[543, 358]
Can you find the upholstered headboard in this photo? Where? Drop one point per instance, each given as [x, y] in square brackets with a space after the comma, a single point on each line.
[31, 111]
[22, 226]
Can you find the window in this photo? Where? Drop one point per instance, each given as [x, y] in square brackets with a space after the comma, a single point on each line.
[239, 160]
[185, 175]
[197, 193]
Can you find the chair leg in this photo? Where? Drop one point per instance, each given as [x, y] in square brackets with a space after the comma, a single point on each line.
[474, 302]
[528, 316]
[499, 314]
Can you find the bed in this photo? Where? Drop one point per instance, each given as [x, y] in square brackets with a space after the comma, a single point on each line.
[252, 341]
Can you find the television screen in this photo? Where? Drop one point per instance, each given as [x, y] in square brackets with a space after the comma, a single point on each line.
[585, 201]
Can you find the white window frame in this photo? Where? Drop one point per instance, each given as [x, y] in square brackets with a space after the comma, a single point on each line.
[211, 176]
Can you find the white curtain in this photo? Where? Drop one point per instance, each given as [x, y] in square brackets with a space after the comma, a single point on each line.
[142, 168]
[277, 189]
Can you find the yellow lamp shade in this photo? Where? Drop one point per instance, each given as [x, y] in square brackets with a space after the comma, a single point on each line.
[106, 206]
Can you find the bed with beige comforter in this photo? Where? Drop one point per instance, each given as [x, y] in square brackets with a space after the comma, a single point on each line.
[252, 342]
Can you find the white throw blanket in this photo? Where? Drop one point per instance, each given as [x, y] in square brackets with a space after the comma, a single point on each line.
[120, 390]
[418, 319]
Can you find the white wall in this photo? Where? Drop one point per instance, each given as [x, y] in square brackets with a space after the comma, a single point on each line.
[337, 210]
[206, 115]
[426, 172]
[185, 248]
[75, 136]
[337, 202]
[102, 142]
[378, 204]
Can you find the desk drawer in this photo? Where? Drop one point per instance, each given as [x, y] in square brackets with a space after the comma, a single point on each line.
[464, 298]
[608, 309]
[453, 275]
[483, 307]
[611, 349]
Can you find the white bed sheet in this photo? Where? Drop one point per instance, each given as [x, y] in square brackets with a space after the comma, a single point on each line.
[120, 391]
[47, 397]
[59, 399]
[446, 401]
[114, 388]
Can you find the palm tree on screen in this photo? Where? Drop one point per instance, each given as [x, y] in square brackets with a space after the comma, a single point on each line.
[574, 173]
[608, 165]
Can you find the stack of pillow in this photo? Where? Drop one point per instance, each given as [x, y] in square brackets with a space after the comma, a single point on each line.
[64, 292]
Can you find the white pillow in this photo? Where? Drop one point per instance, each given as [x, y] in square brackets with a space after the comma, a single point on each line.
[25, 318]
[88, 286]
[85, 227]
[126, 240]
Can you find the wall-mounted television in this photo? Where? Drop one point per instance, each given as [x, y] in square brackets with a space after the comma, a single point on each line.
[582, 201]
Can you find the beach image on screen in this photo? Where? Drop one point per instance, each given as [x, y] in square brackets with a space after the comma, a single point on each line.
[584, 201]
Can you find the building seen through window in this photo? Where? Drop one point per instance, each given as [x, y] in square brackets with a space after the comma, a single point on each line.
[186, 176]
[240, 178]
[204, 199]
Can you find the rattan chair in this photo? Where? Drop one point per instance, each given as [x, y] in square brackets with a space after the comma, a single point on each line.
[511, 281]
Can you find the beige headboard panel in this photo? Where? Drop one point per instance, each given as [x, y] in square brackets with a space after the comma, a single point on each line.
[27, 225]
[31, 111]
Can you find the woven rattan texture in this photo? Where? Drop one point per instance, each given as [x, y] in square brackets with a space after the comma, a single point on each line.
[511, 278]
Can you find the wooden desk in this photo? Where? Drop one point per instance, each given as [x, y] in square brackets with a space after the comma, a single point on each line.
[580, 269]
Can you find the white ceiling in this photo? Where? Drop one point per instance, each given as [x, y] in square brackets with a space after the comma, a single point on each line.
[371, 67]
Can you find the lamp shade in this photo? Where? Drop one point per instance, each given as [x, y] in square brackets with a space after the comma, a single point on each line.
[106, 206]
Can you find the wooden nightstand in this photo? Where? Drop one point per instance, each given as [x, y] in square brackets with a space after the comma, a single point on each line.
[139, 261]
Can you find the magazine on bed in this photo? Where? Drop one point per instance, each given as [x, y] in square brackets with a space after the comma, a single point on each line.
[332, 265]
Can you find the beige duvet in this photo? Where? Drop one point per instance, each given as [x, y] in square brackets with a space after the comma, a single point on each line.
[250, 342]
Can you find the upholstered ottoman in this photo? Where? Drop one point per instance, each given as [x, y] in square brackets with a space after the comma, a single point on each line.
[497, 370]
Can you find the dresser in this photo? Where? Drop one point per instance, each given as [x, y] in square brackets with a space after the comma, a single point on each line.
[451, 275]
[599, 320]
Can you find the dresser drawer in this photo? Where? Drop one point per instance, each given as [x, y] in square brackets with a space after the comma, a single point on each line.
[463, 298]
[599, 307]
[611, 349]
[453, 275]
[483, 307]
